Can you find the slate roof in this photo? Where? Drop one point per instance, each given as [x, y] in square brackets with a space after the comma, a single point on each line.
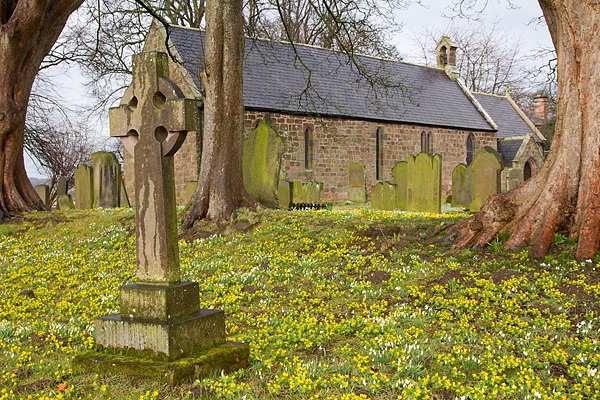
[508, 149]
[275, 80]
[509, 121]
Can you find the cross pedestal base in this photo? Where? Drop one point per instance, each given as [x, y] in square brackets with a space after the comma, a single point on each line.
[225, 357]
[162, 339]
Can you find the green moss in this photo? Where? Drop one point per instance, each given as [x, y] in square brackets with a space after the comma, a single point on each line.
[139, 366]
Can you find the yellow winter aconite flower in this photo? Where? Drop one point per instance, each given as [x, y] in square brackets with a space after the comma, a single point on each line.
[347, 303]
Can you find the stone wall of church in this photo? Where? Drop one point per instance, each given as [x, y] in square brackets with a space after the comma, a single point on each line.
[337, 142]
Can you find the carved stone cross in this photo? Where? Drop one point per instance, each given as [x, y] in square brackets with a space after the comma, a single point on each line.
[152, 121]
[160, 317]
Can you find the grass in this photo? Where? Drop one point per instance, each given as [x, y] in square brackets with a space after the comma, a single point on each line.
[346, 303]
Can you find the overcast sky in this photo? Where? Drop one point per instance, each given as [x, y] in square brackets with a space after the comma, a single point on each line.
[430, 13]
[515, 20]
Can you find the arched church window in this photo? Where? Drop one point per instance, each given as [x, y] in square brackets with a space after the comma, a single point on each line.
[469, 149]
[308, 149]
[430, 142]
[379, 154]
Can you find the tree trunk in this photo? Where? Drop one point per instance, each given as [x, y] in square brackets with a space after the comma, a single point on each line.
[565, 195]
[28, 30]
[220, 188]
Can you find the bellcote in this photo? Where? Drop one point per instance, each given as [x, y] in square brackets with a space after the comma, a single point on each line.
[446, 56]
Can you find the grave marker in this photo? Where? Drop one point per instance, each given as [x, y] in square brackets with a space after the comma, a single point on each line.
[399, 174]
[44, 192]
[486, 168]
[261, 162]
[357, 192]
[84, 187]
[424, 183]
[160, 315]
[462, 186]
[106, 179]
[383, 196]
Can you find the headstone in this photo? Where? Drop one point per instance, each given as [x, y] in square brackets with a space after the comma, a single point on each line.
[486, 168]
[107, 177]
[400, 180]
[62, 186]
[261, 162]
[123, 198]
[65, 202]
[44, 192]
[285, 194]
[309, 194]
[160, 315]
[357, 191]
[190, 189]
[84, 187]
[297, 192]
[383, 196]
[514, 178]
[462, 187]
[424, 183]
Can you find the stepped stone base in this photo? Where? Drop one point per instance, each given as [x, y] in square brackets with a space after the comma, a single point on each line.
[226, 357]
[169, 339]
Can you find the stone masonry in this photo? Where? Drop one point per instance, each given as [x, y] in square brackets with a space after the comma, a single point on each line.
[338, 142]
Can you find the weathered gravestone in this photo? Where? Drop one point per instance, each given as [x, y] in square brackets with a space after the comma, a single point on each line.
[357, 192]
[261, 162]
[123, 198]
[383, 196]
[190, 189]
[424, 183]
[462, 188]
[160, 316]
[307, 195]
[84, 187]
[514, 178]
[44, 192]
[285, 194]
[485, 169]
[61, 188]
[107, 177]
[65, 202]
[399, 174]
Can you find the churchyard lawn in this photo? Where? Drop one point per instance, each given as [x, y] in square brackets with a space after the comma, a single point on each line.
[347, 303]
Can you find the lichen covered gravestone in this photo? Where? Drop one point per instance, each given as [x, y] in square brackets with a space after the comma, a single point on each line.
[61, 189]
[383, 196]
[357, 191]
[399, 174]
[486, 168]
[261, 162]
[462, 187]
[285, 194]
[44, 192]
[65, 202]
[424, 183]
[84, 187]
[160, 315]
[107, 176]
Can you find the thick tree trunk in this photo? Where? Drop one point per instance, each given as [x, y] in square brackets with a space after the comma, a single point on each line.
[220, 188]
[565, 195]
[28, 30]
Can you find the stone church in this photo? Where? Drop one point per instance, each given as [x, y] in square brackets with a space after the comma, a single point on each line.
[332, 111]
